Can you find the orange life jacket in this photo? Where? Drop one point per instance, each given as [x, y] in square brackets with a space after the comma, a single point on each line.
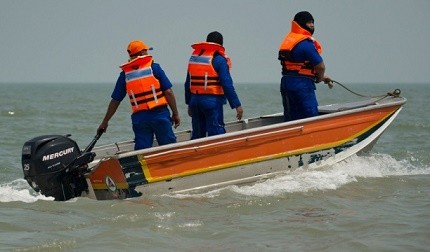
[296, 35]
[142, 87]
[203, 77]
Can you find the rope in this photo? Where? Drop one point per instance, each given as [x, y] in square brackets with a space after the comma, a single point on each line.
[394, 93]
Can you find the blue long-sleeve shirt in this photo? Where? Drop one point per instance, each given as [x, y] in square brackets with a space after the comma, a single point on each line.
[221, 67]
[303, 51]
[120, 92]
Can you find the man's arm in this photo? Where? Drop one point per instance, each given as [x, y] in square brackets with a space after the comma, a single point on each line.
[319, 72]
[320, 69]
[222, 68]
[171, 100]
[113, 106]
[166, 86]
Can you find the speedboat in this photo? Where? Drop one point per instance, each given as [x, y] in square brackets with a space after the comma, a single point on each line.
[251, 150]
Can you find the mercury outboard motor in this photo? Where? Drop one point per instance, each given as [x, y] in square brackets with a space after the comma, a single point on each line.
[54, 165]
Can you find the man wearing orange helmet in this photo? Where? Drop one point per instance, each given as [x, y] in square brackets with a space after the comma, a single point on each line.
[150, 93]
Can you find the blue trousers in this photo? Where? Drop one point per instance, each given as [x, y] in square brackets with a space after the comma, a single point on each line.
[298, 98]
[207, 115]
[145, 130]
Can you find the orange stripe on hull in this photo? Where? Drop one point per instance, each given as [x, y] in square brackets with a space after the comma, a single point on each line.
[308, 136]
[111, 168]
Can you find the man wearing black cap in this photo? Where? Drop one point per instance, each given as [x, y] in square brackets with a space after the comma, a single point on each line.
[208, 85]
[302, 67]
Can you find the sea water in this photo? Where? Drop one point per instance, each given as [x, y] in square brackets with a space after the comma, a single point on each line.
[376, 202]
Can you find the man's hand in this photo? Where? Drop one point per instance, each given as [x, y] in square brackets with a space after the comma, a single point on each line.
[327, 80]
[239, 113]
[102, 128]
[176, 121]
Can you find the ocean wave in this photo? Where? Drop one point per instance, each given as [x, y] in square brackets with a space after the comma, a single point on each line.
[374, 165]
[19, 190]
[331, 178]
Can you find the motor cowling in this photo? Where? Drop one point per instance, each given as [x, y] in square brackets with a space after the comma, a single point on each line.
[54, 165]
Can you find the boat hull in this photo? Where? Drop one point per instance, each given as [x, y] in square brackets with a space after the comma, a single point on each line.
[252, 150]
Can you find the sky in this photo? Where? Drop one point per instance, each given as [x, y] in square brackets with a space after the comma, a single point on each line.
[85, 41]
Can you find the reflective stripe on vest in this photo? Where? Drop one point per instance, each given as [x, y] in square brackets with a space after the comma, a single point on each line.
[297, 35]
[142, 87]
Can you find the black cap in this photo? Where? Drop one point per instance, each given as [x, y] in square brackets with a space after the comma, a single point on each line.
[215, 37]
[302, 18]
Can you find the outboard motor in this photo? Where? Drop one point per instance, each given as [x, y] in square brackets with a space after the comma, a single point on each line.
[54, 165]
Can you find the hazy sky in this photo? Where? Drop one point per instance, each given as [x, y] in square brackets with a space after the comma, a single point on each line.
[364, 41]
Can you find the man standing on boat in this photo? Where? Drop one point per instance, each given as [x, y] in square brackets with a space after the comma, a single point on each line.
[302, 67]
[150, 92]
[208, 85]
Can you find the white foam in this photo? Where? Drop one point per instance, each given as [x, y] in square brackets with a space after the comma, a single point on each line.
[330, 178]
[19, 190]
[209, 194]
